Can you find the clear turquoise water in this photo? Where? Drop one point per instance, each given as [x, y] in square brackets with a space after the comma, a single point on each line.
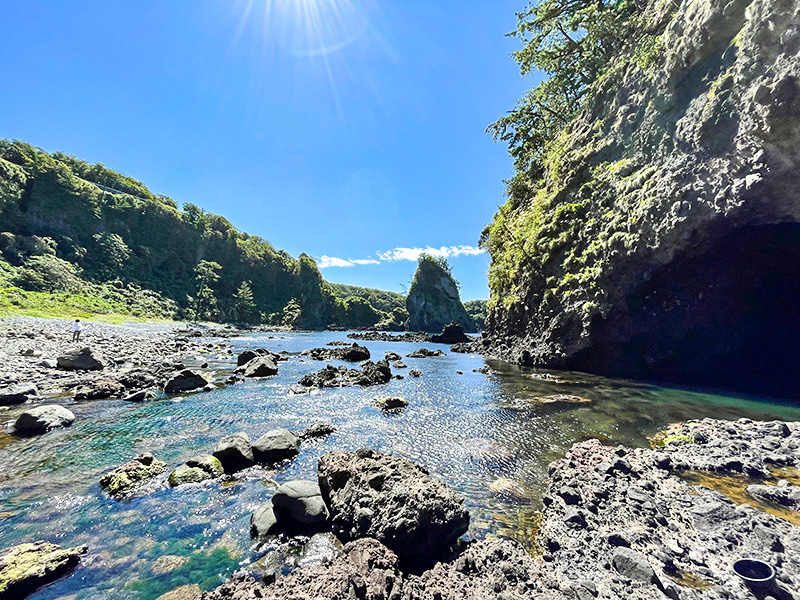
[470, 430]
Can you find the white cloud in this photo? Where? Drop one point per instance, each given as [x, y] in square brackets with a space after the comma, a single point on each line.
[413, 254]
[331, 261]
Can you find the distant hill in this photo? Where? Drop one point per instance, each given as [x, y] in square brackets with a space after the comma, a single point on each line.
[77, 238]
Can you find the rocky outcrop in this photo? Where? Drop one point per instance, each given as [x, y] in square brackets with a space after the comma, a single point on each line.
[27, 567]
[390, 403]
[452, 333]
[248, 355]
[381, 336]
[370, 374]
[42, 419]
[394, 501]
[124, 480]
[425, 353]
[661, 241]
[354, 353]
[433, 300]
[79, 360]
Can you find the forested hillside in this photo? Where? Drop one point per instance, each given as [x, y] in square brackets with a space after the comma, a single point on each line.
[85, 239]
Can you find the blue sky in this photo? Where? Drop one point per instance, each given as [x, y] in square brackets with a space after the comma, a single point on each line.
[352, 130]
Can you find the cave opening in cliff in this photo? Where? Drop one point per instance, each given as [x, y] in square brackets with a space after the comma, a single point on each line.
[727, 318]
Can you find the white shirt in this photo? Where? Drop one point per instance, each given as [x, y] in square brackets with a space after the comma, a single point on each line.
[76, 327]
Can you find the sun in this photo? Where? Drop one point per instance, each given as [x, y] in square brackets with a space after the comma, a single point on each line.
[308, 27]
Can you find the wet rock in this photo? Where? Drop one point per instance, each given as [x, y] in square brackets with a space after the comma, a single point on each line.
[42, 419]
[561, 399]
[185, 381]
[275, 446]
[200, 467]
[248, 355]
[190, 591]
[785, 495]
[168, 563]
[318, 429]
[415, 373]
[234, 452]
[389, 403]
[392, 356]
[382, 336]
[123, 480]
[451, 334]
[263, 523]
[425, 353]
[393, 500]
[79, 360]
[298, 506]
[465, 348]
[18, 394]
[262, 366]
[140, 396]
[27, 567]
[354, 353]
[100, 389]
[399, 364]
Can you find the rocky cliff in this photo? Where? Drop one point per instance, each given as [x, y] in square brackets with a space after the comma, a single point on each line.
[662, 240]
[433, 300]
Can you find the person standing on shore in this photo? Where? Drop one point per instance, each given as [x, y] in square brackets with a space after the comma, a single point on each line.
[76, 330]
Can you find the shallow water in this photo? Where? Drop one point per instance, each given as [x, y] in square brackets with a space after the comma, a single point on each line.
[485, 435]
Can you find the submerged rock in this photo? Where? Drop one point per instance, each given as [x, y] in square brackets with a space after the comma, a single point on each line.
[42, 419]
[185, 381]
[79, 360]
[317, 429]
[394, 501]
[27, 567]
[126, 478]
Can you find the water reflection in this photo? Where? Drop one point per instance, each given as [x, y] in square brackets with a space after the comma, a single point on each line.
[490, 436]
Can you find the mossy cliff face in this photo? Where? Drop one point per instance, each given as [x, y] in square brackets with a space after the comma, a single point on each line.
[433, 300]
[663, 239]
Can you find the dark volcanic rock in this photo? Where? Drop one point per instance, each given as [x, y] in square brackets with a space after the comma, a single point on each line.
[234, 452]
[248, 355]
[79, 360]
[393, 500]
[433, 300]
[370, 374]
[466, 348]
[354, 353]
[185, 381]
[42, 419]
[100, 389]
[317, 429]
[27, 567]
[126, 478]
[451, 334]
[18, 394]
[275, 446]
[382, 336]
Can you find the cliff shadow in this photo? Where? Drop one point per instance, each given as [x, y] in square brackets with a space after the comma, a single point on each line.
[727, 318]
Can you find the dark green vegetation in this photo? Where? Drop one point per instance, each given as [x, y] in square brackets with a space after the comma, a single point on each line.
[433, 299]
[79, 239]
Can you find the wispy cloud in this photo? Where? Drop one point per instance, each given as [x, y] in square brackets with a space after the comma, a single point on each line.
[413, 254]
[396, 254]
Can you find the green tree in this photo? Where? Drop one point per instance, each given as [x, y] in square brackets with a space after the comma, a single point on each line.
[572, 41]
[244, 307]
[205, 305]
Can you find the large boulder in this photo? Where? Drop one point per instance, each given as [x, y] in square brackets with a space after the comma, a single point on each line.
[275, 446]
[198, 468]
[370, 374]
[263, 523]
[298, 506]
[354, 353]
[79, 360]
[123, 480]
[234, 452]
[41, 419]
[185, 381]
[392, 500]
[27, 567]
[248, 355]
[18, 394]
[261, 366]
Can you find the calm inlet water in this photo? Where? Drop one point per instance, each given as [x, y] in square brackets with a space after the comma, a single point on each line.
[488, 436]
